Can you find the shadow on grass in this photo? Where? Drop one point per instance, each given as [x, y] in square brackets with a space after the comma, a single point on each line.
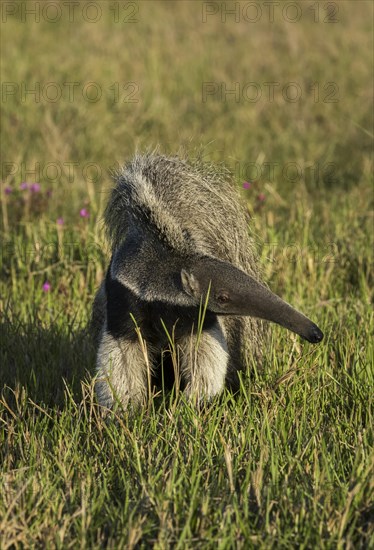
[43, 360]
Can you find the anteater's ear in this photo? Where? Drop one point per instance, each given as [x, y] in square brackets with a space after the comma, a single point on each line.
[190, 284]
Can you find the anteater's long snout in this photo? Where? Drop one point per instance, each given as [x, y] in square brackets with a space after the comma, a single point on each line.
[261, 302]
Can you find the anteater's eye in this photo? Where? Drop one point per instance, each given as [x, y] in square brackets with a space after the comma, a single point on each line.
[223, 298]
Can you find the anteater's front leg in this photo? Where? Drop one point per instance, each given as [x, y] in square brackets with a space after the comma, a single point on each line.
[123, 371]
[204, 363]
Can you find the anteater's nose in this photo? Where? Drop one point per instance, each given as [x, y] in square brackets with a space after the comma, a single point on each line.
[315, 335]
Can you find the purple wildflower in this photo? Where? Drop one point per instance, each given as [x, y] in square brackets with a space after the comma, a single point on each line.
[24, 185]
[84, 213]
[35, 187]
[8, 190]
[47, 286]
[60, 221]
[246, 185]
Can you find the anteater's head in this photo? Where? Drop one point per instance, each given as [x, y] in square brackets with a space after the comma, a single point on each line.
[230, 291]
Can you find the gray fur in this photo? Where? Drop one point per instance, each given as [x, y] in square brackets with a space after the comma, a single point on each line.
[179, 236]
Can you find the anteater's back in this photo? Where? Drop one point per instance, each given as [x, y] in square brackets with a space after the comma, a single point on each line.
[194, 205]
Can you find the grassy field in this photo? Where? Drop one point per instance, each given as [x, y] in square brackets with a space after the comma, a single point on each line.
[287, 463]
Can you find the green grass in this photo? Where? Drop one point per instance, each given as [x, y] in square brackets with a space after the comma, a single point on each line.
[288, 462]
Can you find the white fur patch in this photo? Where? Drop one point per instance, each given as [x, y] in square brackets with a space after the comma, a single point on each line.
[204, 363]
[122, 371]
